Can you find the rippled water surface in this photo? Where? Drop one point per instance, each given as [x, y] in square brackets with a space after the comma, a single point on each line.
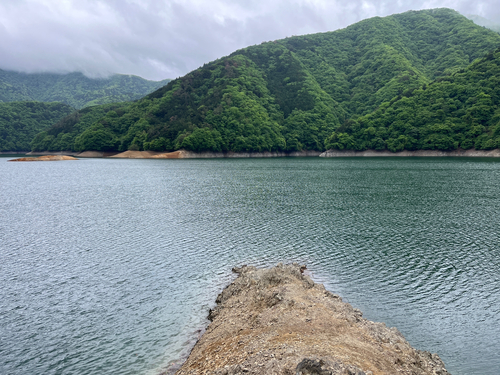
[110, 266]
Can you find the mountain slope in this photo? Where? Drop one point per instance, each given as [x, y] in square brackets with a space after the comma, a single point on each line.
[292, 94]
[376, 59]
[21, 121]
[73, 89]
[460, 110]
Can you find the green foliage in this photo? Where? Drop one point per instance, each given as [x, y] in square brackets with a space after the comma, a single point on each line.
[375, 60]
[62, 135]
[21, 121]
[460, 110]
[202, 140]
[73, 89]
[96, 138]
[383, 83]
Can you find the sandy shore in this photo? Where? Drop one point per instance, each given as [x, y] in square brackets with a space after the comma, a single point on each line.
[278, 321]
[183, 154]
[46, 158]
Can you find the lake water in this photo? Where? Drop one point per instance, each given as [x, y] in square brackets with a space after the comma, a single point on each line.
[110, 266]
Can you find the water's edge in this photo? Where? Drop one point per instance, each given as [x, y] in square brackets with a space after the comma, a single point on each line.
[183, 154]
[418, 153]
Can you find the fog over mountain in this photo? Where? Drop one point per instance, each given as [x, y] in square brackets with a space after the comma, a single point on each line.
[158, 39]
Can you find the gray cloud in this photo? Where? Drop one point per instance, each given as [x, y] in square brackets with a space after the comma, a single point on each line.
[159, 39]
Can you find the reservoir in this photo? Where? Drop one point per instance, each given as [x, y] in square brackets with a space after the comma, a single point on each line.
[110, 266]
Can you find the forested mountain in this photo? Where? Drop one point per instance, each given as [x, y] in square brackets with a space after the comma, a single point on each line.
[74, 89]
[292, 94]
[21, 121]
[61, 136]
[459, 110]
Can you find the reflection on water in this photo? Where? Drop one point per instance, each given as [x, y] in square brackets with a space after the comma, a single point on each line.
[110, 266]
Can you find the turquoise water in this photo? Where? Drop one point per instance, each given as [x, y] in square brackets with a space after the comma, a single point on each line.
[110, 266]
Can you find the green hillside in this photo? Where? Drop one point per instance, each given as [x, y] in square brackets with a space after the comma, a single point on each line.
[460, 110]
[21, 121]
[61, 136]
[290, 94]
[73, 89]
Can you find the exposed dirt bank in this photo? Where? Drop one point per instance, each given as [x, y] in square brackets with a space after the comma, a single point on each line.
[276, 154]
[96, 154]
[277, 321]
[454, 153]
[46, 158]
[136, 155]
[183, 154]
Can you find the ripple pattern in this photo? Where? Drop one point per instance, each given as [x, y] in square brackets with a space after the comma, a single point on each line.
[110, 266]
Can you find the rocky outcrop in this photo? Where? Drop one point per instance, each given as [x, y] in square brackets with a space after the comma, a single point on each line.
[278, 321]
[405, 153]
[46, 158]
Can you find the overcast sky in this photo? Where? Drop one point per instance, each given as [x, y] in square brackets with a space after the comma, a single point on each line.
[158, 39]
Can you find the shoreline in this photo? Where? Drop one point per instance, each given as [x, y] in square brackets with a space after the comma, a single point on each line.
[278, 321]
[180, 154]
[44, 158]
[183, 154]
[418, 153]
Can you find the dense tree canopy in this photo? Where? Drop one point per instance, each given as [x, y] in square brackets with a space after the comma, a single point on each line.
[375, 84]
[458, 110]
[21, 121]
[69, 133]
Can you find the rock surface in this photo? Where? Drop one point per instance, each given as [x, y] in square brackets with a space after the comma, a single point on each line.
[278, 321]
[46, 158]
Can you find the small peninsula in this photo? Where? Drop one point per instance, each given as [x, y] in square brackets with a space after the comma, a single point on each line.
[46, 158]
[278, 321]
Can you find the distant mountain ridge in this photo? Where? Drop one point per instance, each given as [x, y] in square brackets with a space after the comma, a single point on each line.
[301, 93]
[74, 89]
[481, 21]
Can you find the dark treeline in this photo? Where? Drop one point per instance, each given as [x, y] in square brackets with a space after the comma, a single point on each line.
[404, 81]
